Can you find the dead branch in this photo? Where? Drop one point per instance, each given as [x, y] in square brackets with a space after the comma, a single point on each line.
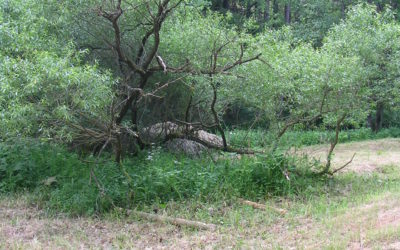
[229, 149]
[174, 221]
[345, 165]
[301, 120]
[262, 206]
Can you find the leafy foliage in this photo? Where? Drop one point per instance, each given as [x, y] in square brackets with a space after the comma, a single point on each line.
[96, 73]
[44, 80]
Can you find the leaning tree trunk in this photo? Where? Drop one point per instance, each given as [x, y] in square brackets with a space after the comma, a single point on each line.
[216, 118]
[335, 141]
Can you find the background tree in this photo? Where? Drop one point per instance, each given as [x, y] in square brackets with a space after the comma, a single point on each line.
[371, 36]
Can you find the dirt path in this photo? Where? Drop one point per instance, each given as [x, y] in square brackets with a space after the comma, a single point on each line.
[373, 224]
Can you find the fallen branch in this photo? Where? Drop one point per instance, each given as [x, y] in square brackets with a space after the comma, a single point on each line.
[262, 206]
[210, 145]
[345, 165]
[174, 221]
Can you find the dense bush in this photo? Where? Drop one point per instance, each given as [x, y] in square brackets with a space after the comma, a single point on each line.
[63, 181]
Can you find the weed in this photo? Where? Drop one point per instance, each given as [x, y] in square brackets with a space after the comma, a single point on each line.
[262, 138]
[62, 181]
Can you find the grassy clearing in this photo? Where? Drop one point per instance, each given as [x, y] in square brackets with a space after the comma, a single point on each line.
[262, 138]
[370, 155]
[353, 210]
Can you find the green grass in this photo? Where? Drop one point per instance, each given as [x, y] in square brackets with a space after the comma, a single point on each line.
[322, 197]
[63, 181]
[324, 211]
[262, 138]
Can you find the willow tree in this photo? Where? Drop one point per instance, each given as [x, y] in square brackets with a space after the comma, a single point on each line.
[120, 54]
[300, 85]
[371, 36]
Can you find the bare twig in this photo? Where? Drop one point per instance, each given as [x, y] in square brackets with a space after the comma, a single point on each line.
[174, 221]
[262, 206]
[345, 165]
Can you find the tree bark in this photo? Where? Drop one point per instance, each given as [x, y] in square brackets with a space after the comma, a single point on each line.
[288, 13]
[379, 116]
[225, 4]
[216, 119]
[267, 10]
[333, 144]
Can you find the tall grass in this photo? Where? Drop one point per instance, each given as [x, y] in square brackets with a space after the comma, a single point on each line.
[63, 181]
[262, 138]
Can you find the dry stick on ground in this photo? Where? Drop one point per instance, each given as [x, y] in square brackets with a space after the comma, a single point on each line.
[174, 221]
[262, 206]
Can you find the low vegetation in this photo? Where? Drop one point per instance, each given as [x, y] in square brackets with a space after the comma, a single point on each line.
[84, 185]
[66, 182]
[199, 113]
[261, 138]
[357, 208]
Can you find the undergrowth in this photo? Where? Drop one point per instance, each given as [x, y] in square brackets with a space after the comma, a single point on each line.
[63, 182]
[262, 138]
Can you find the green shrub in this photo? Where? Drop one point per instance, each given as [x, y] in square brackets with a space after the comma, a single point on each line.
[63, 182]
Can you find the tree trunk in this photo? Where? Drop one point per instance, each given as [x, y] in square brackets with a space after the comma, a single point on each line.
[378, 117]
[395, 4]
[375, 121]
[267, 9]
[187, 113]
[118, 150]
[287, 13]
[275, 7]
[371, 123]
[333, 145]
[379, 7]
[216, 119]
[343, 9]
[225, 4]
